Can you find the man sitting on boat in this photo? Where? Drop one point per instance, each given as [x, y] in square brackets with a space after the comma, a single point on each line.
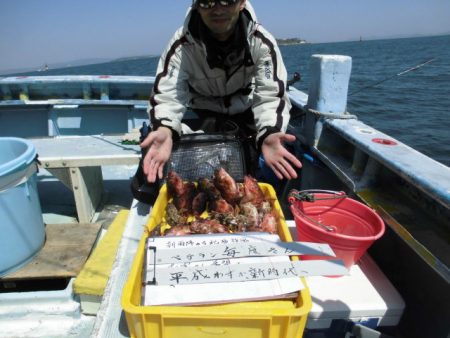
[226, 67]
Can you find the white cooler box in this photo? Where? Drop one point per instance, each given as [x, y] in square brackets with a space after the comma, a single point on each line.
[364, 297]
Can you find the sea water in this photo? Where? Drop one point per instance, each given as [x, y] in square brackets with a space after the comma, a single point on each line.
[413, 108]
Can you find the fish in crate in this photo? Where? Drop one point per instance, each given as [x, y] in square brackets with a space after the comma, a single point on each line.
[217, 205]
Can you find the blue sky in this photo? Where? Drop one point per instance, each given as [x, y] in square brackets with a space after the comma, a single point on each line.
[34, 32]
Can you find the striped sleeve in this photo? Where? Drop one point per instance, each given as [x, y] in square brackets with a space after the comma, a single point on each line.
[271, 102]
[169, 94]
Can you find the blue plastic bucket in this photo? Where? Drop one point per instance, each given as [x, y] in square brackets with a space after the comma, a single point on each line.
[22, 232]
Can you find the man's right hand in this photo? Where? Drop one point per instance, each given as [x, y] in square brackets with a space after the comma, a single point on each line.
[159, 144]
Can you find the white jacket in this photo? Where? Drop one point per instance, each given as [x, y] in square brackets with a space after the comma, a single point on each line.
[184, 78]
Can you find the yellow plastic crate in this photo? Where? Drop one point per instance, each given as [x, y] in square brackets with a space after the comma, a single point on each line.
[261, 319]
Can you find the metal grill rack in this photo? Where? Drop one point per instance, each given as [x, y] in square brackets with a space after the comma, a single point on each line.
[198, 155]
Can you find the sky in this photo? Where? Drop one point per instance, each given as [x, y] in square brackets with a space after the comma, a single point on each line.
[38, 32]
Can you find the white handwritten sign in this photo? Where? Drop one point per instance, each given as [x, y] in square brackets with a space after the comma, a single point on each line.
[220, 258]
[178, 242]
[235, 250]
[220, 292]
[245, 271]
[238, 273]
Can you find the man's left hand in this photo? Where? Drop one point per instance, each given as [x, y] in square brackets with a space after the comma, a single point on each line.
[278, 158]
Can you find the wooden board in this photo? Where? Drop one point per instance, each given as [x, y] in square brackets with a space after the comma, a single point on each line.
[65, 251]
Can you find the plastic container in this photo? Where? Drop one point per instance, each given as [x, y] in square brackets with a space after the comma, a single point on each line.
[21, 227]
[354, 226]
[269, 319]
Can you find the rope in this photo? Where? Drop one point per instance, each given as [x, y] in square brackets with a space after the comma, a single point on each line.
[332, 116]
[308, 195]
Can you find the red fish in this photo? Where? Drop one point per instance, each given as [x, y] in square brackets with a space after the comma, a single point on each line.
[252, 192]
[227, 186]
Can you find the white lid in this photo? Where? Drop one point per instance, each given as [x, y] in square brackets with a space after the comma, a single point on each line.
[364, 293]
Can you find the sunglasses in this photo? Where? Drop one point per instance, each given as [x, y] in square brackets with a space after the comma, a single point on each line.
[207, 4]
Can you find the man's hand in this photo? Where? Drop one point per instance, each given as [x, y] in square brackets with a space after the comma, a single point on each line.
[159, 144]
[278, 158]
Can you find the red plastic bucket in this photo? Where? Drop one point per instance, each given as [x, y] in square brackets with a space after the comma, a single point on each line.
[353, 225]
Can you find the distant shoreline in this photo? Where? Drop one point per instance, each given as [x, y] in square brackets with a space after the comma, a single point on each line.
[281, 42]
[291, 41]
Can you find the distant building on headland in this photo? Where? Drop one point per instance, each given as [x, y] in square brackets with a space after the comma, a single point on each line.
[291, 41]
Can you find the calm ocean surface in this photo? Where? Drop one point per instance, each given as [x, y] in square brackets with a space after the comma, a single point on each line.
[413, 108]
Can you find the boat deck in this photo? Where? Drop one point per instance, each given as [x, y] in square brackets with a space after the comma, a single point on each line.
[410, 191]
